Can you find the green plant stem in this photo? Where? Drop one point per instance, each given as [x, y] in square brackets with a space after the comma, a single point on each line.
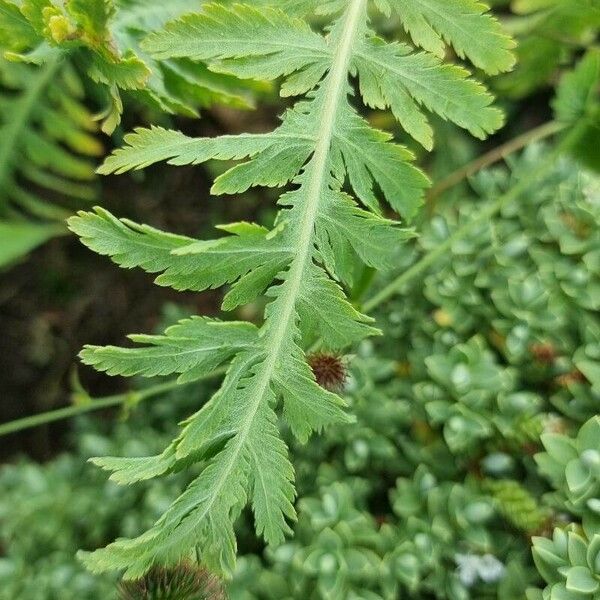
[495, 155]
[485, 215]
[98, 404]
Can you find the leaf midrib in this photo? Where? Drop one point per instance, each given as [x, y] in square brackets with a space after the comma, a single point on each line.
[334, 95]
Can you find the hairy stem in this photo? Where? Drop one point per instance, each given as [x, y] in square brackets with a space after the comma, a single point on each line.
[318, 169]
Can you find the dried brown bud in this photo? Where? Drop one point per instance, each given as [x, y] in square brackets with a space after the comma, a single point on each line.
[329, 370]
[544, 352]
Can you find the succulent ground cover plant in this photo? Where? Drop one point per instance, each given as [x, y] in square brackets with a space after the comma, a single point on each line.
[394, 510]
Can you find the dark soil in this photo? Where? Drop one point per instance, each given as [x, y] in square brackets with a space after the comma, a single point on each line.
[64, 296]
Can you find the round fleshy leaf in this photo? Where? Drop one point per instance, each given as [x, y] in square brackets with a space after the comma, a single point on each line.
[578, 476]
[577, 549]
[312, 562]
[560, 592]
[582, 581]
[589, 435]
[593, 554]
[594, 505]
[559, 447]
[591, 459]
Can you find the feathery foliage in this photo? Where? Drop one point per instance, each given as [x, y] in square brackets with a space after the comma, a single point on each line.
[577, 104]
[465, 24]
[47, 139]
[550, 34]
[321, 236]
[47, 151]
[517, 296]
[43, 118]
[103, 37]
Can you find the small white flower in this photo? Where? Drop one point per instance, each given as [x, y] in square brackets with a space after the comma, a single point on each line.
[490, 569]
[467, 568]
[471, 568]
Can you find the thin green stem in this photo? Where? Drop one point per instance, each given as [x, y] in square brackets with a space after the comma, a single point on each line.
[497, 154]
[98, 404]
[485, 215]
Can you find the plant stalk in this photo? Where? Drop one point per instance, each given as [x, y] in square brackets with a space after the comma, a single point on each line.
[98, 404]
[497, 154]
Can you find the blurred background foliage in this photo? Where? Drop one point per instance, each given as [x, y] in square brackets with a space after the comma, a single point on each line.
[477, 437]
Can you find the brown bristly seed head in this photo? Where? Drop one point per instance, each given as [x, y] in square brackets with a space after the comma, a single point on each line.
[182, 582]
[329, 370]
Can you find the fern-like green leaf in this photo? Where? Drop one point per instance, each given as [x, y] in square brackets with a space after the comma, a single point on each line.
[19, 238]
[577, 105]
[320, 237]
[16, 32]
[465, 24]
[189, 348]
[577, 94]
[183, 263]
[262, 43]
[47, 141]
[413, 80]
